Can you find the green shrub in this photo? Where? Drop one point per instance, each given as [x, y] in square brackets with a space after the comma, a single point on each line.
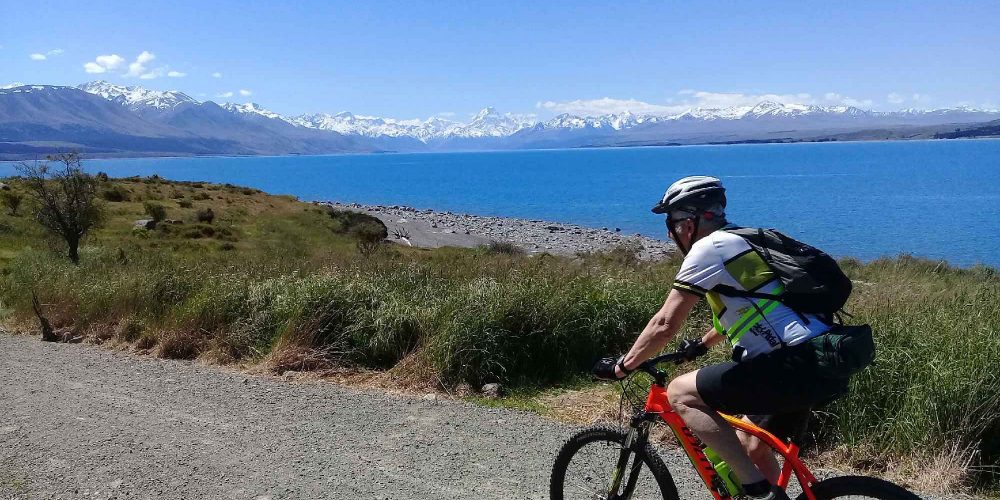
[206, 216]
[503, 247]
[345, 221]
[195, 231]
[154, 210]
[12, 201]
[369, 236]
[185, 203]
[201, 196]
[116, 194]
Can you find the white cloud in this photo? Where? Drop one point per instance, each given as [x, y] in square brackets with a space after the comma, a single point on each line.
[689, 98]
[606, 105]
[176, 74]
[38, 56]
[102, 64]
[224, 94]
[835, 98]
[445, 114]
[138, 67]
[245, 92]
[154, 73]
[858, 103]
[895, 98]
[216, 75]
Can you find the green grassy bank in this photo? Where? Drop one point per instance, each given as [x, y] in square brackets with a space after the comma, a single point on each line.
[280, 283]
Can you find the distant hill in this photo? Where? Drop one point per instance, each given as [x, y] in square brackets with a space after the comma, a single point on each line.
[100, 118]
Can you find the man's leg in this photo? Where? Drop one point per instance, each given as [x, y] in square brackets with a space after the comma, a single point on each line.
[761, 454]
[786, 426]
[710, 427]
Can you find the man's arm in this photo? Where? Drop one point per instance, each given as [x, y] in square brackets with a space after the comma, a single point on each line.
[712, 338]
[661, 328]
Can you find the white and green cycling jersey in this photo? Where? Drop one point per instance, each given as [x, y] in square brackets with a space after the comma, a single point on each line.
[753, 326]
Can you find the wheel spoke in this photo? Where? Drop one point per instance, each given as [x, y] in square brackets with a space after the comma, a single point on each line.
[589, 474]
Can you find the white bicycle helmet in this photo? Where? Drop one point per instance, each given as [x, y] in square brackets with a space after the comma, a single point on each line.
[691, 194]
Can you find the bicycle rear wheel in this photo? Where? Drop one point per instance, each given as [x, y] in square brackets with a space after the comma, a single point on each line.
[859, 487]
[588, 462]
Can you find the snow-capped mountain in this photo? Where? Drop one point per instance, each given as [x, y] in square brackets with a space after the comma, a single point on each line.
[252, 108]
[369, 126]
[491, 125]
[137, 98]
[488, 123]
[104, 117]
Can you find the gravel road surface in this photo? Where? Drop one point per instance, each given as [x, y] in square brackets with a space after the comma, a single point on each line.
[85, 422]
[79, 421]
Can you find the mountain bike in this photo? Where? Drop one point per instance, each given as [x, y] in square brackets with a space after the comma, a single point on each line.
[609, 463]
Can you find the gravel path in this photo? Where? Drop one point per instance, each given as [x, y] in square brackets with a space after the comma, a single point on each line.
[80, 421]
[432, 229]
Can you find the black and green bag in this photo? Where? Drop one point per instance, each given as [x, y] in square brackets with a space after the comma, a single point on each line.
[813, 282]
[844, 350]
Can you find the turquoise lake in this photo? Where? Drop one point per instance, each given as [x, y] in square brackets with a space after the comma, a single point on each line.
[934, 199]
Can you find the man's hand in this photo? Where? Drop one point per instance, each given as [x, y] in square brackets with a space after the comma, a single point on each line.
[605, 369]
[692, 349]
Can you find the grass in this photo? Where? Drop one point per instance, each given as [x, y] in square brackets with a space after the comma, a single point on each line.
[281, 284]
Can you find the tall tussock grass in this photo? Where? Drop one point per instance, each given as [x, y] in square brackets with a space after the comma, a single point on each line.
[477, 317]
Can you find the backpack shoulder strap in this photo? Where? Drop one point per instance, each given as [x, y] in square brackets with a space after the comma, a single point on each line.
[732, 292]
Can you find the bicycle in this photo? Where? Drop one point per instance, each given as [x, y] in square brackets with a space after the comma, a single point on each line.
[632, 447]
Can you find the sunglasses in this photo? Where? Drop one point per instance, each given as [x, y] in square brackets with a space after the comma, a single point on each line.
[671, 221]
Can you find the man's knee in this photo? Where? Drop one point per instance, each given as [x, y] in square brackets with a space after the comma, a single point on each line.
[756, 447]
[682, 392]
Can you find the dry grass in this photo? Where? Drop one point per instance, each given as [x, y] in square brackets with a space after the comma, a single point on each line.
[180, 344]
[945, 472]
[590, 405]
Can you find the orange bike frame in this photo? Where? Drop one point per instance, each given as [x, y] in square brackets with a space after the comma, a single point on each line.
[657, 404]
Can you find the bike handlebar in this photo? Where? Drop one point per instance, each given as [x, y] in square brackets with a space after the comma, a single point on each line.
[650, 365]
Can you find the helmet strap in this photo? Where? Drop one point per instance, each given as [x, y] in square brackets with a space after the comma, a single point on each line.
[677, 239]
[694, 235]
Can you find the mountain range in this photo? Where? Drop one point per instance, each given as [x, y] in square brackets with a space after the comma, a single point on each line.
[100, 118]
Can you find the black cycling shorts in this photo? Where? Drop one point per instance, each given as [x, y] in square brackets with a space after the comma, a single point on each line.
[777, 391]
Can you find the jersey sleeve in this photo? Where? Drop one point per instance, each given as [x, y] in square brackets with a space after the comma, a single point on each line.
[701, 270]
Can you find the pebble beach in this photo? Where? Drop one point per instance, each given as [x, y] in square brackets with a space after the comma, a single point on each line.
[431, 229]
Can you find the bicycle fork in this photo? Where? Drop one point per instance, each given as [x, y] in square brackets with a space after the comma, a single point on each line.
[635, 441]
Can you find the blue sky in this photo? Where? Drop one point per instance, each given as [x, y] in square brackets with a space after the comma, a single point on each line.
[417, 59]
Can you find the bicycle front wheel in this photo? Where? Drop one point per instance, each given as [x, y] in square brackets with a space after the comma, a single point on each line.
[593, 460]
[859, 487]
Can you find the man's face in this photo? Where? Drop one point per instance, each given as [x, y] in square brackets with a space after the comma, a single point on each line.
[681, 229]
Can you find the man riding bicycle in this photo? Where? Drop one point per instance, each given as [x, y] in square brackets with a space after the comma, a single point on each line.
[773, 378]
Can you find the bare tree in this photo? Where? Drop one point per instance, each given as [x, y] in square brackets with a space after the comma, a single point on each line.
[65, 196]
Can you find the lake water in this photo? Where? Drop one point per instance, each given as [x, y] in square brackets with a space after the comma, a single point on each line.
[936, 199]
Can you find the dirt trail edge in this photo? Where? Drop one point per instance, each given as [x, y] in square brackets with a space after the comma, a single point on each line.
[80, 421]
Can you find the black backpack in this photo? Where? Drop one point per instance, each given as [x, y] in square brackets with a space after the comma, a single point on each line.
[813, 282]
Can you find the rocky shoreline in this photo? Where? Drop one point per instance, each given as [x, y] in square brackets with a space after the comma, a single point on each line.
[432, 229]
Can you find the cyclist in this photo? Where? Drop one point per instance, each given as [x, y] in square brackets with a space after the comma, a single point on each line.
[773, 378]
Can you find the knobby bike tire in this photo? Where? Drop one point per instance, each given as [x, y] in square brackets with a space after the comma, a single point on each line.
[870, 487]
[608, 434]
